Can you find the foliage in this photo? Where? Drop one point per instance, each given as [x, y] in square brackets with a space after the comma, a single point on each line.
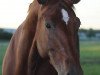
[90, 33]
[5, 35]
[89, 30]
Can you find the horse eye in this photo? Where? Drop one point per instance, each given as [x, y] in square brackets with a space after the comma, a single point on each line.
[48, 25]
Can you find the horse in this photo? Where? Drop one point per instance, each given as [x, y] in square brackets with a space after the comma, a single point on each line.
[46, 43]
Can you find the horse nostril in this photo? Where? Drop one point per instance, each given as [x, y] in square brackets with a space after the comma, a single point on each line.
[48, 25]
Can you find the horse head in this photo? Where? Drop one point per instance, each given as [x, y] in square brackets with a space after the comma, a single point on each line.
[56, 36]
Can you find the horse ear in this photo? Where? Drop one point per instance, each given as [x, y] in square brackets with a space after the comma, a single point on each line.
[75, 1]
[42, 1]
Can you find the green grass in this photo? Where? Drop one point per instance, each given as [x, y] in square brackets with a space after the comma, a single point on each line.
[89, 51]
[93, 69]
[3, 46]
[90, 57]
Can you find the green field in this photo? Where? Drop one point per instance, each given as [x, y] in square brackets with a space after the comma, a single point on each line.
[3, 46]
[90, 56]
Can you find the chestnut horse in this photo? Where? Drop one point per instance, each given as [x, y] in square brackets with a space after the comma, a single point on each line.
[47, 41]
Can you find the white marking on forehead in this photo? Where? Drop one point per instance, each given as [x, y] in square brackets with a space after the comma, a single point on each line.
[65, 15]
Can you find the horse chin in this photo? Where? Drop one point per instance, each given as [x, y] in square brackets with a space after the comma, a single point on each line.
[72, 71]
[62, 73]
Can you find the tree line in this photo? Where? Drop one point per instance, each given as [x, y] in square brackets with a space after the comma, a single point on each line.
[89, 32]
[5, 35]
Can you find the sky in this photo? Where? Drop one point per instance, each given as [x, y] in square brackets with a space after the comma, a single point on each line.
[14, 12]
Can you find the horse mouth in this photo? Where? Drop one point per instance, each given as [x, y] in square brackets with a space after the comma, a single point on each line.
[59, 63]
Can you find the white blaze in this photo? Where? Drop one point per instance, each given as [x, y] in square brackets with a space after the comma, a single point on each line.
[65, 15]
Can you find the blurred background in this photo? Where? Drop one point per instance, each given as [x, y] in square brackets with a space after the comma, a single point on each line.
[13, 13]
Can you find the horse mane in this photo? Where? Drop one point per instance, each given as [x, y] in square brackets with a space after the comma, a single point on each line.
[30, 7]
[68, 4]
[33, 5]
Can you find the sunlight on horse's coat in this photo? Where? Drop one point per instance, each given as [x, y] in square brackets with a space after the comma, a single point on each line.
[65, 15]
